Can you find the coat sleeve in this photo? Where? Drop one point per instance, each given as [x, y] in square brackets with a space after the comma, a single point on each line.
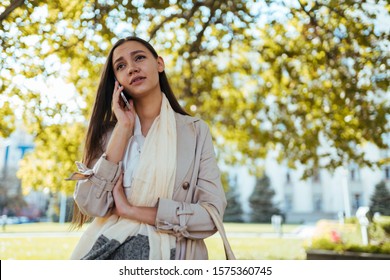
[94, 185]
[93, 194]
[191, 220]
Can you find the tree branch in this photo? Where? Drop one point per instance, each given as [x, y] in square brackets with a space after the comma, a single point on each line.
[195, 46]
[156, 28]
[185, 15]
[312, 19]
[14, 4]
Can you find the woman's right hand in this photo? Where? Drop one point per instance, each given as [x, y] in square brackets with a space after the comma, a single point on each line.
[124, 127]
[126, 117]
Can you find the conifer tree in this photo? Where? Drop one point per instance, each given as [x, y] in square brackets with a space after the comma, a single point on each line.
[261, 201]
[233, 212]
[380, 199]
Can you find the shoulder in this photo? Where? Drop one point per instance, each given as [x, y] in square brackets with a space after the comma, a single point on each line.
[185, 119]
[197, 122]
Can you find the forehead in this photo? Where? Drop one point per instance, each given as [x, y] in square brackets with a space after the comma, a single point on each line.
[127, 48]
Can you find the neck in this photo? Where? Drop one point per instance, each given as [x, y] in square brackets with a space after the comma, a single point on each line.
[148, 108]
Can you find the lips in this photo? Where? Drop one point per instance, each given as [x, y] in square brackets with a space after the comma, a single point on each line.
[137, 79]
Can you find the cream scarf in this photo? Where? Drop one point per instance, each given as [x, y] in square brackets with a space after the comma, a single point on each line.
[153, 179]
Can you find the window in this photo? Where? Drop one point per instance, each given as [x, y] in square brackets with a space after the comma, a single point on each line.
[288, 177]
[357, 202]
[289, 202]
[317, 199]
[387, 172]
[316, 176]
[354, 174]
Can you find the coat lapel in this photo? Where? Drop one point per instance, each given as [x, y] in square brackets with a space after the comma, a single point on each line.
[186, 143]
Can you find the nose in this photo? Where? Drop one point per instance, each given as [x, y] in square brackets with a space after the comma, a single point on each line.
[133, 69]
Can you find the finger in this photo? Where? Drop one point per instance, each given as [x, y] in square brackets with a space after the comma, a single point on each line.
[130, 111]
[115, 96]
[115, 88]
[117, 91]
[131, 103]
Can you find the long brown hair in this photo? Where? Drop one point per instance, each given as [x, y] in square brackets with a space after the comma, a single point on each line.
[102, 118]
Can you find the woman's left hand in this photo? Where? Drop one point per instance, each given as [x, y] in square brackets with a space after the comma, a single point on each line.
[124, 209]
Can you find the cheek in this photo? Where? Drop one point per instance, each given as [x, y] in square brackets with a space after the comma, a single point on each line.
[158, 71]
[157, 78]
[121, 79]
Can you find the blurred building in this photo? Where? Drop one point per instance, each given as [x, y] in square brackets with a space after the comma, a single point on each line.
[12, 201]
[324, 196]
[12, 150]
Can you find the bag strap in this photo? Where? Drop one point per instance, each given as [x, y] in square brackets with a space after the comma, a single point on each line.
[218, 223]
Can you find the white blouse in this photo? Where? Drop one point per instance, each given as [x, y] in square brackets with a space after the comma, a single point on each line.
[132, 155]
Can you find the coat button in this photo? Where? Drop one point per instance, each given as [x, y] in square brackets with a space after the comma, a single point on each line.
[186, 185]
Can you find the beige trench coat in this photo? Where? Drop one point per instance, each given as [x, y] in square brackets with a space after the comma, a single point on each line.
[197, 180]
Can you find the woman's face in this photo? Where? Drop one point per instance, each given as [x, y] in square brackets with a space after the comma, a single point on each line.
[136, 69]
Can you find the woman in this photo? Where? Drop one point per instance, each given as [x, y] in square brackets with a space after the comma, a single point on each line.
[152, 164]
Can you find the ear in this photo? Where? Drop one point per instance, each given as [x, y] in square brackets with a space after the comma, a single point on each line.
[160, 64]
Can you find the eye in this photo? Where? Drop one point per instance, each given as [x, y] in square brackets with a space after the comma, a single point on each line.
[120, 66]
[140, 57]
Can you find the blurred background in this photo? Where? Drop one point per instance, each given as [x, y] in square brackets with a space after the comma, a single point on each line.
[296, 94]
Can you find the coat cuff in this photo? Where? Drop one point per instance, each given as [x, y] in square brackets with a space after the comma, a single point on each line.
[172, 217]
[107, 170]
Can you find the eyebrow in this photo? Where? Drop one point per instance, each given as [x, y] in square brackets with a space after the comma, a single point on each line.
[131, 54]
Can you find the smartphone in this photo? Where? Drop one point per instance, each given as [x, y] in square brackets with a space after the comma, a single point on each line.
[124, 99]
